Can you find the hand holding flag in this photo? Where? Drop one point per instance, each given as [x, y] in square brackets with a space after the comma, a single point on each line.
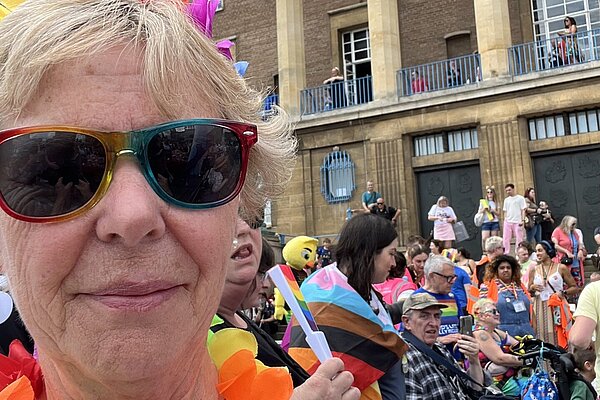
[285, 281]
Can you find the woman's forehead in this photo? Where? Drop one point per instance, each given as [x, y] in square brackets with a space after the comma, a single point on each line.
[106, 91]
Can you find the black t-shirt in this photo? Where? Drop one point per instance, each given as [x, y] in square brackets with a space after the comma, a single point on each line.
[386, 212]
[269, 352]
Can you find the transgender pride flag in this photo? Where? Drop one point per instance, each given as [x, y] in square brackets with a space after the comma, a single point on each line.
[368, 347]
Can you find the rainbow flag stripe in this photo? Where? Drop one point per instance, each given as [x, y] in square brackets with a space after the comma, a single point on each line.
[293, 284]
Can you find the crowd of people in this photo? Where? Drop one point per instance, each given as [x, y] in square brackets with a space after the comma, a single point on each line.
[525, 290]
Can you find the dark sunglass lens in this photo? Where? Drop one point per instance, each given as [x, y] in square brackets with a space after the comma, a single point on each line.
[196, 164]
[48, 174]
[255, 223]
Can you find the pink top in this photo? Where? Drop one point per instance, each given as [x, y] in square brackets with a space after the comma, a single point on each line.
[392, 288]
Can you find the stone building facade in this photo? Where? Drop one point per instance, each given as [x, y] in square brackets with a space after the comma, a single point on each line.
[293, 44]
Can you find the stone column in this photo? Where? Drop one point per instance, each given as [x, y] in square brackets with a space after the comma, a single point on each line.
[505, 156]
[384, 32]
[493, 36]
[290, 53]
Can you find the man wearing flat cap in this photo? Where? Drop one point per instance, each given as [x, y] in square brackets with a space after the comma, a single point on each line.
[426, 378]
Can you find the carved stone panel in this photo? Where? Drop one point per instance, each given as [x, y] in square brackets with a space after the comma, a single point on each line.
[570, 184]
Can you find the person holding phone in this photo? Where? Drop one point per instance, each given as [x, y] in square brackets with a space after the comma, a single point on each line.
[422, 316]
[492, 344]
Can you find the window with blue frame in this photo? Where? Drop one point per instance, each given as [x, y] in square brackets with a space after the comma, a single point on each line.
[337, 177]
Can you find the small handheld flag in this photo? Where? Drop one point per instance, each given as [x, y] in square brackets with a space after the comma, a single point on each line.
[285, 281]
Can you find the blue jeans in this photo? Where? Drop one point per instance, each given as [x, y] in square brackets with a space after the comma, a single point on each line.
[534, 233]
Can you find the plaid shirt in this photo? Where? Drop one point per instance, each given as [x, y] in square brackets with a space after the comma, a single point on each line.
[427, 380]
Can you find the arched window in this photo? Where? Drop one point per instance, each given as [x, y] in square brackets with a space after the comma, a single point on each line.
[337, 177]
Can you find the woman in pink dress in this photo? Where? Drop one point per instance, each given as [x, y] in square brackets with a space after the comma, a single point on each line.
[443, 217]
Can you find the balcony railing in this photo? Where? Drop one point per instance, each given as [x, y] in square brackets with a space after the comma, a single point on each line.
[268, 104]
[439, 75]
[554, 53]
[337, 95]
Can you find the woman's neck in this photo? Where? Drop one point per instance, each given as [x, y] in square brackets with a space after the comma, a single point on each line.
[546, 263]
[193, 378]
[230, 315]
[343, 269]
[506, 282]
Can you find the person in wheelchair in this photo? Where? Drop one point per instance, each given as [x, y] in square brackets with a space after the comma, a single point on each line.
[494, 347]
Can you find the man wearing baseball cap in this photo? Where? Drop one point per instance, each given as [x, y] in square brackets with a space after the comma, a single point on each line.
[425, 377]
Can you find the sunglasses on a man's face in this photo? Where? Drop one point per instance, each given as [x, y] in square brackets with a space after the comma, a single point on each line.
[53, 173]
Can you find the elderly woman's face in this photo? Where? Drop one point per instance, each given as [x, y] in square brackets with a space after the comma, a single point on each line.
[523, 255]
[134, 278]
[243, 266]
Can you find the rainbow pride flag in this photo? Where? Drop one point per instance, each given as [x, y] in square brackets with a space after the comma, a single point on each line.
[293, 284]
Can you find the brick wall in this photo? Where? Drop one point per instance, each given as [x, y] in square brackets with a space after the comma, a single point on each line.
[423, 25]
[520, 14]
[254, 25]
[317, 38]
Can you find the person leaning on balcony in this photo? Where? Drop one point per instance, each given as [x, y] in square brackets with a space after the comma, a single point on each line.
[570, 50]
[453, 74]
[336, 96]
[369, 198]
[418, 84]
[390, 213]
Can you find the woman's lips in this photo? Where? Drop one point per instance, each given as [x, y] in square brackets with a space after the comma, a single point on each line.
[242, 252]
[135, 297]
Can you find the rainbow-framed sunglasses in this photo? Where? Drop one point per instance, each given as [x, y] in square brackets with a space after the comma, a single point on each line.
[54, 173]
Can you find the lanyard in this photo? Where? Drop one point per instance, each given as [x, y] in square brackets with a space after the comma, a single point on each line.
[512, 286]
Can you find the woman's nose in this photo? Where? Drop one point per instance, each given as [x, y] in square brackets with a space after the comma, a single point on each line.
[130, 211]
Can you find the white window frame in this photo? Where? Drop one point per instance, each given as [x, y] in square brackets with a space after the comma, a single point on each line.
[350, 65]
[564, 124]
[446, 142]
[589, 6]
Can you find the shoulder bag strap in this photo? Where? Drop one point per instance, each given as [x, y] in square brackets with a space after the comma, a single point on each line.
[437, 358]
[548, 280]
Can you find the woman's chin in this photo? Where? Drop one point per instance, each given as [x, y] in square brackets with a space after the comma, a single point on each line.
[143, 347]
[139, 357]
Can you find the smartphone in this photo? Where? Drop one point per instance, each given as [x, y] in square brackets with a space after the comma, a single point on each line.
[465, 325]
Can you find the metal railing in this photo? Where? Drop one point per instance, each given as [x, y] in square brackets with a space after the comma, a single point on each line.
[554, 53]
[439, 75]
[268, 104]
[336, 95]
